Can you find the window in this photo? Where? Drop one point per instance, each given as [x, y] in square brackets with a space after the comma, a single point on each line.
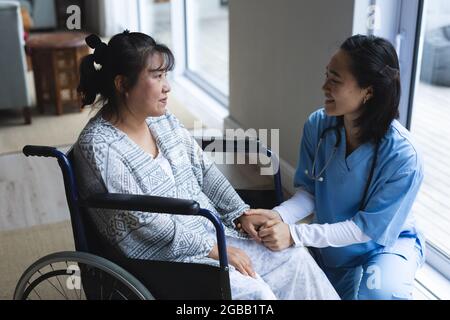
[207, 46]
[152, 17]
[155, 20]
[429, 124]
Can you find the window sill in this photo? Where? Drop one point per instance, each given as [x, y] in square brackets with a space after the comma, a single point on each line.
[209, 111]
[432, 284]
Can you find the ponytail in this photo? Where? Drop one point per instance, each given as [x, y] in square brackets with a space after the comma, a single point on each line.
[90, 80]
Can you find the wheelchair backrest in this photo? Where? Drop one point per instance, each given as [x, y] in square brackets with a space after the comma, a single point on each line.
[86, 236]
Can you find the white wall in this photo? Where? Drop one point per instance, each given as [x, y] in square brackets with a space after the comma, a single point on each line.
[278, 54]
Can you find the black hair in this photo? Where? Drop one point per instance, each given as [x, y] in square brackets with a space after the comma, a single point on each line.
[126, 54]
[374, 63]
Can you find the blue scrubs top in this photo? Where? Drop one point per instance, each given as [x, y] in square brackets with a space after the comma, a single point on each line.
[396, 180]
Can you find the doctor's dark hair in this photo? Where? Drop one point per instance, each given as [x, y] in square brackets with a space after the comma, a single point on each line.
[374, 63]
[125, 55]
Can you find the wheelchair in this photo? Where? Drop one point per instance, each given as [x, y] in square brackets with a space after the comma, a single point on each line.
[97, 271]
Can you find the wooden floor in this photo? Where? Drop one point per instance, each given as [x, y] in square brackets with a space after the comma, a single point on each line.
[31, 192]
[431, 130]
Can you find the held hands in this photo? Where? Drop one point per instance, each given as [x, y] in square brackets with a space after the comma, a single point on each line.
[252, 220]
[237, 258]
[276, 235]
[266, 227]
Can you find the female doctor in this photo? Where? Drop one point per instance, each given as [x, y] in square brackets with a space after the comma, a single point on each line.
[359, 172]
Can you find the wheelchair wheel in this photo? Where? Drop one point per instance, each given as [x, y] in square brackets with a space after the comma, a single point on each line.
[78, 276]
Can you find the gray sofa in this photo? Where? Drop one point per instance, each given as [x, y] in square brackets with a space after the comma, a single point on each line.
[42, 12]
[14, 90]
[436, 57]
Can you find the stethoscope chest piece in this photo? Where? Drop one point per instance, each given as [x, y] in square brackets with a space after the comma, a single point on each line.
[319, 177]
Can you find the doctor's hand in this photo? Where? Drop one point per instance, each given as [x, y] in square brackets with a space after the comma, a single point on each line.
[237, 258]
[276, 235]
[253, 219]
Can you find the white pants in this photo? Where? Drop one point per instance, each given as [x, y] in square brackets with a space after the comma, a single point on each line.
[291, 274]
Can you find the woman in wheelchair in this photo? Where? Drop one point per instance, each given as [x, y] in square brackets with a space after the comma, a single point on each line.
[134, 145]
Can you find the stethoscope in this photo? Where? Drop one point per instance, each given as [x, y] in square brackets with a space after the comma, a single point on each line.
[319, 177]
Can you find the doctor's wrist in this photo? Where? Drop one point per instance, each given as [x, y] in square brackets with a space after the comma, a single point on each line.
[276, 215]
[295, 231]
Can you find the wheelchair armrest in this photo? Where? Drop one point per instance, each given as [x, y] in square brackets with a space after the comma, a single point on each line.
[41, 151]
[142, 203]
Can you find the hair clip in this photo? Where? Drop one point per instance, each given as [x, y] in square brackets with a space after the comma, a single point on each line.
[97, 66]
[392, 73]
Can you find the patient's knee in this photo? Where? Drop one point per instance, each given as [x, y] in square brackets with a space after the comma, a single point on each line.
[248, 288]
[265, 293]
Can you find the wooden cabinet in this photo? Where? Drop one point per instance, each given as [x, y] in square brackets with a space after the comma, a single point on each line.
[56, 60]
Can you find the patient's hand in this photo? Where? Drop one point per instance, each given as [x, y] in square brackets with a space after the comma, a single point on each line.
[237, 258]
